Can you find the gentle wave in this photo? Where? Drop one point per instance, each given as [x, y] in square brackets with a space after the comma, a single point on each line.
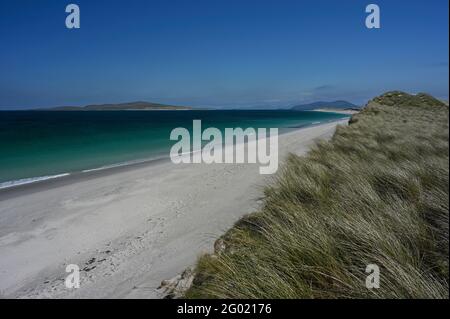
[101, 168]
[25, 181]
[30, 180]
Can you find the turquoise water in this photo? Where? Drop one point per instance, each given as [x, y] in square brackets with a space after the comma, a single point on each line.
[39, 144]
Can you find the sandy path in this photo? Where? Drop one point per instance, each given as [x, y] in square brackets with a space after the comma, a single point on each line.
[127, 230]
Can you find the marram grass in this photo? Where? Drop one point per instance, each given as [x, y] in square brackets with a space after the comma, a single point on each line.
[377, 193]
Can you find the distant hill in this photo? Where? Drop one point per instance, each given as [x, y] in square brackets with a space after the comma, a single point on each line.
[325, 105]
[138, 106]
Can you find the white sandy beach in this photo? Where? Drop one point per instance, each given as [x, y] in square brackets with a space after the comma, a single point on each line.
[129, 229]
[340, 111]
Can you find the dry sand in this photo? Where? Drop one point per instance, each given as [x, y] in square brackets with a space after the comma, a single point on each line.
[127, 229]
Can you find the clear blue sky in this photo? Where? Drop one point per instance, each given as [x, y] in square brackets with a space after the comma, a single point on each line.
[219, 52]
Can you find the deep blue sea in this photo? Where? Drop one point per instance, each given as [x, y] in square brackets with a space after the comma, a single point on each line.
[37, 145]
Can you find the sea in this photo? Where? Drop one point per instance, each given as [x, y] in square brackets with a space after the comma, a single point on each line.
[42, 145]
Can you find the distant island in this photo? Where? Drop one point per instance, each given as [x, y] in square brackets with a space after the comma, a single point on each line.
[131, 106]
[333, 105]
[150, 106]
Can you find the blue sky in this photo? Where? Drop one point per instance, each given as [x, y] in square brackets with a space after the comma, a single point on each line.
[219, 53]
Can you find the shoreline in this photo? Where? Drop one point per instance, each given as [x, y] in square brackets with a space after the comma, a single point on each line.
[58, 179]
[128, 228]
